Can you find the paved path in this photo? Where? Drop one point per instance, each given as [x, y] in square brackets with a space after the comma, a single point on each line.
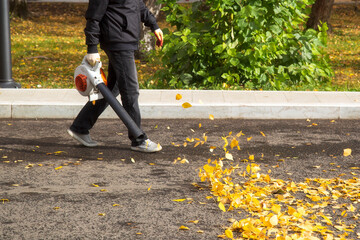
[66, 103]
[49, 202]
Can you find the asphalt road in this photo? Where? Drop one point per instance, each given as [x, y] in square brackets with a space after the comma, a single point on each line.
[53, 188]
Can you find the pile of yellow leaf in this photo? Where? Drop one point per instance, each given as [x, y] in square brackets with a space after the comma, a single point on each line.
[279, 209]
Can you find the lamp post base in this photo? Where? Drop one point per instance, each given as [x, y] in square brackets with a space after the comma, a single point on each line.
[9, 84]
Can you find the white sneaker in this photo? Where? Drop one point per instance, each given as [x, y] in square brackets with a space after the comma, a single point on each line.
[147, 146]
[84, 139]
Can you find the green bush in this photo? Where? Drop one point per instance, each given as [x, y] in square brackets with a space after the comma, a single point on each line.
[237, 44]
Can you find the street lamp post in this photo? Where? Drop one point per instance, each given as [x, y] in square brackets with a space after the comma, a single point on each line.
[6, 80]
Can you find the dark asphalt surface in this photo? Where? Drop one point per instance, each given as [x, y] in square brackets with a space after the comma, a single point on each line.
[57, 189]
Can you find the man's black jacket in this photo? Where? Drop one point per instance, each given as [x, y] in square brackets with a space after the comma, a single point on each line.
[115, 24]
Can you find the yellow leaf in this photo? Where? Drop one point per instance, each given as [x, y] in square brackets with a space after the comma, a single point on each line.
[222, 207]
[263, 134]
[251, 157]
[200, 231]
[291, 210]
[229, 156]
[248, 168]
[4, 200]
[149, 188]
[60, 167]
[199, 125]
[29, 166]
[94, 185]
[184, 228]
[102, 214]
[211, 117]
[347, 152]
[249, 138]
[229, 233]
[195, 221]
[274, 220]
[186, 105]
[59, 152]
[276, 208]
[234, 143]
[178, 200]
[178, 96]
[184, 161]
[115, 205]
[196, 144]
[352, 208]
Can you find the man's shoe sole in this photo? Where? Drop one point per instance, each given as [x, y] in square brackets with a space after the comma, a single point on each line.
[71, 133]
[144, 150]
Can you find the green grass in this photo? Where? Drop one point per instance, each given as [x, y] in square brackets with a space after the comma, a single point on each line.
[344, 48]
[48, 47]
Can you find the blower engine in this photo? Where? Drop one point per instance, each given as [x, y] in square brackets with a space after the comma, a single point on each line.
[90, 81]
[87, 78]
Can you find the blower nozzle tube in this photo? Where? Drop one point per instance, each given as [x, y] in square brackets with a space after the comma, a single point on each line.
[134, 130]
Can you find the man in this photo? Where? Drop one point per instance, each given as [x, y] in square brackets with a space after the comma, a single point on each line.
[115, 24]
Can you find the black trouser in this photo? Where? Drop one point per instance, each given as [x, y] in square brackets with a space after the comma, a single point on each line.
[122, 78]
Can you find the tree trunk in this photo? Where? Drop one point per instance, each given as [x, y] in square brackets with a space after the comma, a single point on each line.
[147, 40]
[19, 8]
[320, 12]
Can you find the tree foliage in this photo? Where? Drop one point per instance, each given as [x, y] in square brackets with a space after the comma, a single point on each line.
[234, 44]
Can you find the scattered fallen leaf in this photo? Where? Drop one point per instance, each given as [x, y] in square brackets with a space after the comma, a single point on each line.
[211, 117]
[4, 200]
[229, 156]
[186, 105]
[222, 207]
[347, 152]
[184, 228]
[229, 233]
[179, 200]
[178, 96]
[29, 165]
[195, 221]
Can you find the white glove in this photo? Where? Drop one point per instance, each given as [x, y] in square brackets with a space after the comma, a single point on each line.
[92, 58]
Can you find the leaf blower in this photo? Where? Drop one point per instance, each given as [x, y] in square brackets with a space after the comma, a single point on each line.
[90, 81]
